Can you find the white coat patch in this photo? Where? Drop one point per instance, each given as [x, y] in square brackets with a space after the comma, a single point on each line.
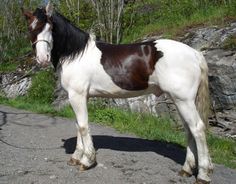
[34, 24]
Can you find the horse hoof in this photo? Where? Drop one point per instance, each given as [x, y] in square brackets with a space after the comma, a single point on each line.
[184, 173]
[200, 181]
[83, 167]
[73, 162]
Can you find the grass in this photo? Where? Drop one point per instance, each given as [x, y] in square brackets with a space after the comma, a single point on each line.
[42, 88]
[230, 43]
[222, 150]
[174, 19]
[8, 67]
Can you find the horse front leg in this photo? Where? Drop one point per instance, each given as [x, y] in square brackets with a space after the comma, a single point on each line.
[84, 154]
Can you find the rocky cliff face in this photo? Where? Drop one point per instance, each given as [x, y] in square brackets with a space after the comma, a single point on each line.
[219, 48]
[13, 84]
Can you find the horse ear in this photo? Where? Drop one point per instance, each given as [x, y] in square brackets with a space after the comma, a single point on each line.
[27, 14]
[49, 9]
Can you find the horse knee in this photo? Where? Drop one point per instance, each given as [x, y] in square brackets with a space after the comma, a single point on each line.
[198, 130]
[83, 130]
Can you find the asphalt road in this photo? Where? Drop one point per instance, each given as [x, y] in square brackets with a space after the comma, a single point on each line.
[34, 149]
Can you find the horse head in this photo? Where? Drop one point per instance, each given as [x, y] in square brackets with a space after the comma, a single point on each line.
[40, 32]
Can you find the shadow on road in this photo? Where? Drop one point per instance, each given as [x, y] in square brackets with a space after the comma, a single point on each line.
[129, 144]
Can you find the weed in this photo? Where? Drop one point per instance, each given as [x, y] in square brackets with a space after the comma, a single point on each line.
[42, 88]
[8, 67]
[169, 17]
[230, 43]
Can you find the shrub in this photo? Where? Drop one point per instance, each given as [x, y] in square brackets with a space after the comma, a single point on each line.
[42, 88]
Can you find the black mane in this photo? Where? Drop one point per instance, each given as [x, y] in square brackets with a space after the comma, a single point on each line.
[68, 40]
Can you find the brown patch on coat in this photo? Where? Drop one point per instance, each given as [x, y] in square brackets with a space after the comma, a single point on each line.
[130, 65]
[33, 33]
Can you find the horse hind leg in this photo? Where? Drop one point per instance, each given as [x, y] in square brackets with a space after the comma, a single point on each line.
[196, 126]
[191, 154]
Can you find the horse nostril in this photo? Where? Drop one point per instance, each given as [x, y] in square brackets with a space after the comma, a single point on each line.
[48, 56]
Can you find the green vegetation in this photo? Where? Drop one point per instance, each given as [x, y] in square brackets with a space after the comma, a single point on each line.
[42, 88]
[230, 43]
[12, 50]
[174, 17]
[8, 67]
[141, 124]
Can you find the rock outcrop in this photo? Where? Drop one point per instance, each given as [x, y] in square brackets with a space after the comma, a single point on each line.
[219, 48]
[13, 84]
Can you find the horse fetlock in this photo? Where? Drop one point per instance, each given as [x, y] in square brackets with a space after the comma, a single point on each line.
[78, 154]
[211, 166]
[91, 156]
[88, 162]
[188, 167]
[184, 173]
[201, 181]
[206, 168]
[73, 162]
[83, 167]
[210, 170]
[191, 164]
[203, 177]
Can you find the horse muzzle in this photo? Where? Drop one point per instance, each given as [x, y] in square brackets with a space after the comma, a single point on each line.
[43, 61]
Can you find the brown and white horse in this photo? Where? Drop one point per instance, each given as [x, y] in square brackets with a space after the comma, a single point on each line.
[96, 69]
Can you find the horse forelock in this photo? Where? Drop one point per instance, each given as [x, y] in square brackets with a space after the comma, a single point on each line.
[37, 22]
[68, 40]
[40, 13]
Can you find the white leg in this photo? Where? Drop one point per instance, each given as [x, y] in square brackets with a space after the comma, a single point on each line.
[188, 111]
[78, 153]
[89, 156]
[85, 152]
[191, 154]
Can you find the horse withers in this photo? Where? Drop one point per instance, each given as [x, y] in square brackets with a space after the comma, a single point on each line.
[97, 69]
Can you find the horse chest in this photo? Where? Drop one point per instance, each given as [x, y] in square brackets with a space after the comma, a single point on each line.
[73, 76]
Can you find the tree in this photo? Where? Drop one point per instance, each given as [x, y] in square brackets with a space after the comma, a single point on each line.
[13, 29]
[109, 16]
[79, 12]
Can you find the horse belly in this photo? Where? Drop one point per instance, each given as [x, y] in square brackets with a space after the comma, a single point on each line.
[103, 86]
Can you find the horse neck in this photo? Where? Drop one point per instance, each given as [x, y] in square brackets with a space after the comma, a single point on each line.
[68, 40]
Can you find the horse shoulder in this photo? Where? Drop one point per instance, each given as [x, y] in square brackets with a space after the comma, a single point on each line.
[75, 75]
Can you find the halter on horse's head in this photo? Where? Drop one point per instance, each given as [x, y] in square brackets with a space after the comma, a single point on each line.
[40, 30]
